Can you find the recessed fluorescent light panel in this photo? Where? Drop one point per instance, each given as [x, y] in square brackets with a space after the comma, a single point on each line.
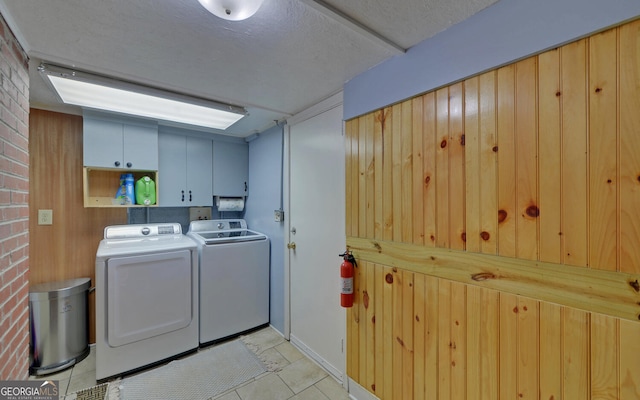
[100, 93]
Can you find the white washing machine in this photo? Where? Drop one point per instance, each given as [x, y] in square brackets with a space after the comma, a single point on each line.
[146, 297]
[234, 277]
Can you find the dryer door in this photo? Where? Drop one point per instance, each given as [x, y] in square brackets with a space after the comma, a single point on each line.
[149, 295]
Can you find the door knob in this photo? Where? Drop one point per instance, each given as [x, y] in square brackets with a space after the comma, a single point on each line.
[291, 246]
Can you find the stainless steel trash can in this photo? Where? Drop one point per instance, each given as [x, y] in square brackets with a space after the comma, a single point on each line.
[59, 324]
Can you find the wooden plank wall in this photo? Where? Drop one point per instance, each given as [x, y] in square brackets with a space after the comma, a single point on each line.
[538, 163]
[66, 249]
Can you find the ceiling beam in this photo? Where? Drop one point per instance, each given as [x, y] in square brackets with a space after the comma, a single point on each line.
[337, 15]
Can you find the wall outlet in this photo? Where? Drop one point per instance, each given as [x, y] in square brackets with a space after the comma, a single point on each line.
[45, 217]
[199, 213]
[278, 215]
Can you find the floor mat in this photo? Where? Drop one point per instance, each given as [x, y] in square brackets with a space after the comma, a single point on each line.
[200, 376]
[93, 393]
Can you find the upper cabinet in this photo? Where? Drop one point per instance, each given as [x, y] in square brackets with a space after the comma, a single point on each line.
[185, 171]
[110, 143]
[230, 169]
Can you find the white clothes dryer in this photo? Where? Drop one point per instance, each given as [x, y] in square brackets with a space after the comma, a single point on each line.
[146, 297]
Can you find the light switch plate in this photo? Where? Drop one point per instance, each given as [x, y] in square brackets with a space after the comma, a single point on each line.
[278, 215]
[45, 217]
[199, 213]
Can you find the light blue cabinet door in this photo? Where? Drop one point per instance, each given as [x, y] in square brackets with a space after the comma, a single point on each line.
[102, 143]
[140, 147]
[184, 176]
[115, 144]
[199, 168]
[230, 169]
[172, 156]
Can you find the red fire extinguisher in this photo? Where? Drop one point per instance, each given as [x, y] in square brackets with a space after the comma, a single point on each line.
[346, 279]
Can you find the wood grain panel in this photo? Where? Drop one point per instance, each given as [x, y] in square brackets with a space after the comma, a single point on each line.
[387, 334]
[353, 179]
[528, 348]
[604, 352]
[363, 324]
[419, 337]
[430, 144]
[507, 214]
[417, 186]
[490, 198]
[474, 346]
[629, 104]
[458, 332]
[629, 365]
[526, 163]
[406, 340]
[66, 249]
[378, 152]
[549, 156]
[575, 171]
[488, 164]
[603, 151]
[396, 170]
[508, 347]
[379, 344]
[397, 364]
[446, 343]
[369, 121]
[483, 334]
[353, 324]
[550, 351]
[442, 168]
[432, 338]
[348, 163]
[472, 164]
[387, 174]
[456, 168]
[363, 198]
[576, 354]
[368, 302]
[607, 292]
[407, 171]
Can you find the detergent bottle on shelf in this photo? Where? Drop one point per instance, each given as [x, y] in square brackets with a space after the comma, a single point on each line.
[130, 190]
[145, 191]
[121, 194]
[126, 193]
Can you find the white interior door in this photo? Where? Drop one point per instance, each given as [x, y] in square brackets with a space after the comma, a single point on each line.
[316, 226]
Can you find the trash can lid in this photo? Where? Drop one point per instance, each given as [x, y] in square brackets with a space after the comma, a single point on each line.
[54, 290]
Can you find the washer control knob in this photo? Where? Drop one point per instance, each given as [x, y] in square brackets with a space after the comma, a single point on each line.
[220, 225]
[145, 231]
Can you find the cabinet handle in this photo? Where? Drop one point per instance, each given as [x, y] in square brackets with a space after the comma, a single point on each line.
[129, 165]
[190, 197]
[245, 186]
[183, 195]
[117, 163]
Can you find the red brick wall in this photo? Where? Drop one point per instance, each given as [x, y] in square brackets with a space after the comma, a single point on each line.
[14, 207]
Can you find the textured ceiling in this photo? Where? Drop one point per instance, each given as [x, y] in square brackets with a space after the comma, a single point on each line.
[287, 57]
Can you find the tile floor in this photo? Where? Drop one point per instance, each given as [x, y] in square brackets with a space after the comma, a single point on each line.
[294, 375]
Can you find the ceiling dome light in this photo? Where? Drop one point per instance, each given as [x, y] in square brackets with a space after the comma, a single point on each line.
[232, 10]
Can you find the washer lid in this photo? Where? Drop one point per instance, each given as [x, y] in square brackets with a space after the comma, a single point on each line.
[241, 235]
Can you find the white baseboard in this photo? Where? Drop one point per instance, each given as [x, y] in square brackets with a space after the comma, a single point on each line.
[357, 392]
[337, 374]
